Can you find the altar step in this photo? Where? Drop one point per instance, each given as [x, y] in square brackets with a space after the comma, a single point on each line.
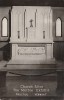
[31, 67]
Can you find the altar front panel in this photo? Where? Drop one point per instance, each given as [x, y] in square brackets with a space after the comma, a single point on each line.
[41, 52]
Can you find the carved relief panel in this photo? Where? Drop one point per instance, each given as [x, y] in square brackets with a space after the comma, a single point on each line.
[30, 53]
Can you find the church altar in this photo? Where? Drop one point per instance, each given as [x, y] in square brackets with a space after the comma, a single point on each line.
[31, 33]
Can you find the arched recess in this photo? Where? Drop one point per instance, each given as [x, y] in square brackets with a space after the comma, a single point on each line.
[4, 27]
[58, 27]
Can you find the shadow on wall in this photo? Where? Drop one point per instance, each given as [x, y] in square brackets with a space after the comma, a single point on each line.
[58, 50]
[4, 51]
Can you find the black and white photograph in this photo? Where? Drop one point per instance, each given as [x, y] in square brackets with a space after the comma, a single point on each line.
[31, 49]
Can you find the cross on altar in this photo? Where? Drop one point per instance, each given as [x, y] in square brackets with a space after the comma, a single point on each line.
[31, 25]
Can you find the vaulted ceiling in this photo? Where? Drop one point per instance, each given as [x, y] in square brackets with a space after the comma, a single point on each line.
[55, 3]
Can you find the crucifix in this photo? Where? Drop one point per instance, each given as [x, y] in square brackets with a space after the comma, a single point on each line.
[31, 25]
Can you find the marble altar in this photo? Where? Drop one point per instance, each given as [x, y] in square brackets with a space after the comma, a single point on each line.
[31, 33]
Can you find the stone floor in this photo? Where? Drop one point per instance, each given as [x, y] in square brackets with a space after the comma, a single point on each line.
[40, 88]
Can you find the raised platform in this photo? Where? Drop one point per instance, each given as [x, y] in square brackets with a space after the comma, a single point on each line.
[35, 67]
